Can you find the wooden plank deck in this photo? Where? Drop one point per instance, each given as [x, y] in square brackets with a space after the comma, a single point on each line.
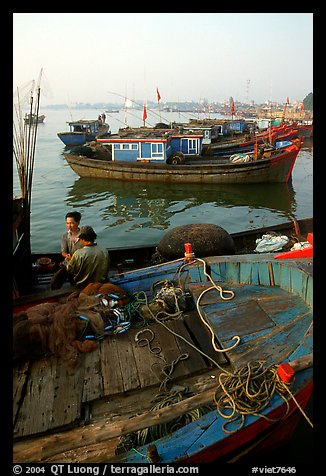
[264, 317]
[48, 394]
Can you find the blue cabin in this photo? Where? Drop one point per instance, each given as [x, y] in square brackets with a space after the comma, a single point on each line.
[137, 148]
[187, 144]
[165, 146]
[236, 126]
[82, 131]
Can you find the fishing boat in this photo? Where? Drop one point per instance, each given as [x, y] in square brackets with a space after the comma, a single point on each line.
[305, 128]
[44, 264]
[201, 360]
[83, 131]
[155, 159]
[34, 118]
[227, 146]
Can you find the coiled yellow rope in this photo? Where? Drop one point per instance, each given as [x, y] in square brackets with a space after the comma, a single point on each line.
[248, 392]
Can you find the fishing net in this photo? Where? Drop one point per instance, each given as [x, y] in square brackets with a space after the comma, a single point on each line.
[61, 328]
[47, 328]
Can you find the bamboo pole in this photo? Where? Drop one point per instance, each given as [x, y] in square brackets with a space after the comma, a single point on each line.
[24, 147]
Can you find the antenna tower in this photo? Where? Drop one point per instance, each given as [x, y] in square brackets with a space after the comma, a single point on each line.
[247, 91]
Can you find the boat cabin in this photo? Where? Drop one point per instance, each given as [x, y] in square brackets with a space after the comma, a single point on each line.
[88, 126]
[83, 131]
[216, 128]
[152, 145]
[188, 144]
[237, 126]
[209, 132]
[133, 147]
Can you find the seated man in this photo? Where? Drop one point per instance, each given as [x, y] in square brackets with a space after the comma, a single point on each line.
[90, 263]
[70, 240]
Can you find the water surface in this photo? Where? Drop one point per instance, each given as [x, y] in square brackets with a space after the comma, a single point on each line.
[130, 213]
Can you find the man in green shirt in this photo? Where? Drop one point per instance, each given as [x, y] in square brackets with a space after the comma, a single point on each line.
[90, 263]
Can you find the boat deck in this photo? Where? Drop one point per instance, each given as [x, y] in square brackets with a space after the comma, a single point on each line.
[49, 395]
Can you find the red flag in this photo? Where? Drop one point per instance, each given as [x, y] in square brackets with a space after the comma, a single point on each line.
[302, 107]
[287, 100]
[144, 114]
[232, 107]
[158, 95]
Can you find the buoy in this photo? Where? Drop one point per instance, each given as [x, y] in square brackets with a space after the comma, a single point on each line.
[287, 370]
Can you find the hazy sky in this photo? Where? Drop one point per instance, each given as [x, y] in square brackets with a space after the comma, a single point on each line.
[85, 56]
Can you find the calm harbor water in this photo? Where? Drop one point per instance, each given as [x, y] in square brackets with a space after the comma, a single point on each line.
[141, 213]
[126, 213]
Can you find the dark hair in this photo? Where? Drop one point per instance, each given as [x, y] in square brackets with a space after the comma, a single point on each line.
[75, 215]
[87, 233]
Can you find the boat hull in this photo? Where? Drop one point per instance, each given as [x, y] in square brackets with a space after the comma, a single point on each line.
[261, 438]
[253, 441]
[71, 139]
[306, 131]
[274, 169]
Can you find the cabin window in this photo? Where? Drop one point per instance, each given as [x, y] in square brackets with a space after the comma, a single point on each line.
[157, 149]
[125, 146]
[192, 146]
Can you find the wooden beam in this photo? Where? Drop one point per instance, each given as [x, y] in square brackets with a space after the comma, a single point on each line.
[39, 449]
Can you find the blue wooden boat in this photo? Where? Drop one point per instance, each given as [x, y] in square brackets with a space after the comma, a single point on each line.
[83, 131]
[220, 369]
